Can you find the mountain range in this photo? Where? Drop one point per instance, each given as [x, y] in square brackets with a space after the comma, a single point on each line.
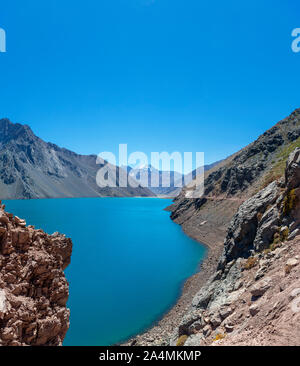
[33, 168]
[168, 183]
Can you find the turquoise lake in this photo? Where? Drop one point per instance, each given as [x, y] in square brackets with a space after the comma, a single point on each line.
[128, 265]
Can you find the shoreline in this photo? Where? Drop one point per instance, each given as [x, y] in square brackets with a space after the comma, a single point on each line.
[163, 328]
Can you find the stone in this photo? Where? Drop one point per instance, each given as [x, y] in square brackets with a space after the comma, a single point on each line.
[203, 297]
[207, 330]
[260, 287]
[293, 234]
[263, 267]
[292, 262]
[292, 171]
[3, 218]
[253, 309]
[260, 273]
[238, 284]
[20, 222]
[225, 312]
[2, 303]
[215, 319]
[196, 326]
[194, 340]
[229, 327]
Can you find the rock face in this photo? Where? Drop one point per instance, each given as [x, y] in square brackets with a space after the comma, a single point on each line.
[33, 168]
[33, 287]
[248, 214]
[236, 179]
[259, 261]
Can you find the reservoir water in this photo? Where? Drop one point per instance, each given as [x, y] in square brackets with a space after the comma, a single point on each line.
[128, 265]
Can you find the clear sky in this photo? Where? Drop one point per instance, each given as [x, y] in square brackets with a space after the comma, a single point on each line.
[159, 75]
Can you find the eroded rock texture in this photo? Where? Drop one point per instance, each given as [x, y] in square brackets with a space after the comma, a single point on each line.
[33, 287]
[253, 297]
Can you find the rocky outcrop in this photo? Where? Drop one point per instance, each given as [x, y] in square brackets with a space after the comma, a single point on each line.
[259, 262]
[269, 216]
[234, 180]
[33, 287]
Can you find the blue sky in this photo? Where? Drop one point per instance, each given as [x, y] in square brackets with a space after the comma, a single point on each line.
[160, 75]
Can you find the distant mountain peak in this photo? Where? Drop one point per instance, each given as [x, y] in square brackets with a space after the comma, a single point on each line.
[13, 131]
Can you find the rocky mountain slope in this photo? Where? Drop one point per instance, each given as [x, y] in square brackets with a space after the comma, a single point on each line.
[33, 168]
[33, 287]
[251, 204]
[253, 297]
[234, 180]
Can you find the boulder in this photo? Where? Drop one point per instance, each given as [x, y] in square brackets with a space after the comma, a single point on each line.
[292, 172]
[225, 312]
[244, 225]
[3, 306]
[253, 309]
[260, 287]
[194, 340]
[292, 262]
[215, 319]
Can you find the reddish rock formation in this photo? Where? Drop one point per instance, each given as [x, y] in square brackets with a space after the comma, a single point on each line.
[33, 287]
[253, 298]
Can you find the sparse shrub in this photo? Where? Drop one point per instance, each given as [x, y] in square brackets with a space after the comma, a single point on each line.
[270, 177]
[274, 246]
[276, 238]
[289, 202]
[284, 234]
[276, 242]
[287, 269]
[219, 336]
[181, 340]
[250, 263]
[279, 163]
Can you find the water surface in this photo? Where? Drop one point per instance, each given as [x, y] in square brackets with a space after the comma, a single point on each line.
[128, 264]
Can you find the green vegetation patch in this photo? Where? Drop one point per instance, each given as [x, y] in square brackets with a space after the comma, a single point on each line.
[289, 202]
[278, 168]
[181, 340]
[250, 263]
[219, 336]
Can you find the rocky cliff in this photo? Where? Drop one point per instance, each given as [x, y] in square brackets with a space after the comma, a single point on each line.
[33, 168]
[249, 218]
[234, 180]
[253, 296]
[33, 287]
